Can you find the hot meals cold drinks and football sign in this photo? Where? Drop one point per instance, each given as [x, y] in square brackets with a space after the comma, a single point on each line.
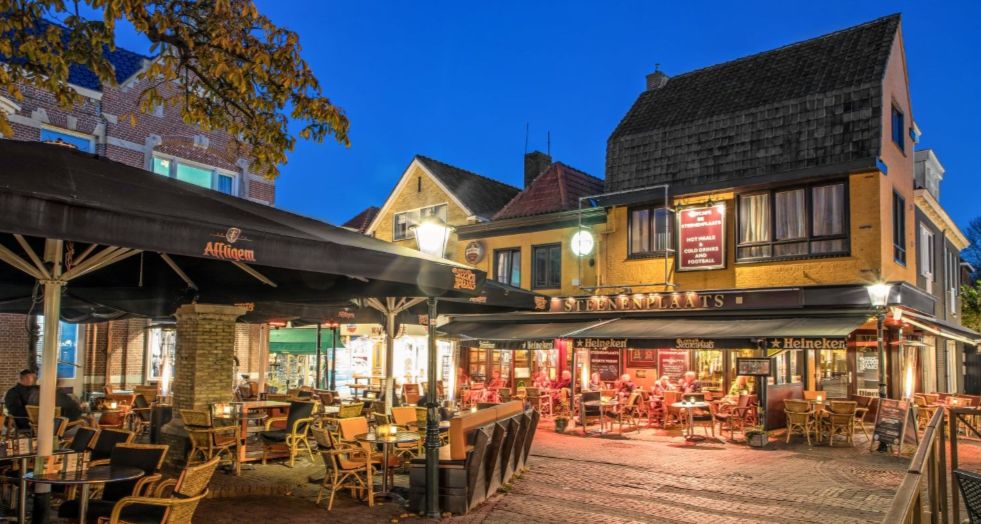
[701, 238]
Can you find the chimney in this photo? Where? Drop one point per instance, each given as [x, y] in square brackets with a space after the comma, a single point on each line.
[536, 163]
[657, 79]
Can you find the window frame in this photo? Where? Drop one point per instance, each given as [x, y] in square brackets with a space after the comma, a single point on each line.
[810, 238]
[899, 251]
[670, 218]
[928, 251]
[67, 132]
[548, 282]
[409, 234]
[511, 251]
[898, 135]
[215, 171]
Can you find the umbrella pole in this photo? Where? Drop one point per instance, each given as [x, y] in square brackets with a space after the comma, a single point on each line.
[333, 357]
[49, 357]
[389, 356]
[432, 421]
[318, 383]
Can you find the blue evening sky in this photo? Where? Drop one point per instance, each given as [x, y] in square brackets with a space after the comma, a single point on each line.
[459, 81]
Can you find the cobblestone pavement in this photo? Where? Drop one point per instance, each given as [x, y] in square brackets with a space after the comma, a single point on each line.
[643, 477]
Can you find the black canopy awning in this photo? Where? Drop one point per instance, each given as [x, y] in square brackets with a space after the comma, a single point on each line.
[180, 242]
[508, 334]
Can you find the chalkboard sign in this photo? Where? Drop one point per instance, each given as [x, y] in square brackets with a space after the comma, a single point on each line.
[673, 364]
[753, 366]
[606, 362]
[895, 423]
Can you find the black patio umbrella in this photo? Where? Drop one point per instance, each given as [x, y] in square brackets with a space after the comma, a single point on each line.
[66, 215]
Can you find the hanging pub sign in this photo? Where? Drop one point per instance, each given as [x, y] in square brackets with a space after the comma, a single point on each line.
[753, 366]
[474, 252]
[701, 238]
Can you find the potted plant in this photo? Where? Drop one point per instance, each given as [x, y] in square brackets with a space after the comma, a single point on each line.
[561, 422]
[756, 436]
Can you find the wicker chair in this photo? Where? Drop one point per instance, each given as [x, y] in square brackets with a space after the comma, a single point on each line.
[347, 466]
[345, 411]
[629, 412]
[148, 457]
[139, 414]
[295, 435]
[32, 414]
[404, 415]
[106, 440]
[800, 419]
[207, 441]
[840, 421]
[173, 502]
[969, 483]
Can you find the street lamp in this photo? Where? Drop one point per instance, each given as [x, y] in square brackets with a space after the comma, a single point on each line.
[582, 243]
[432, 235]
[879, 297]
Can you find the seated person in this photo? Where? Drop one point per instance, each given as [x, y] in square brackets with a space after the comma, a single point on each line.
[19, 397]
[540, 380]
[740, 386]
[690, 384]
[663, 385]
[625, 386]
[564, 382]
[595, 383]
[496, 383]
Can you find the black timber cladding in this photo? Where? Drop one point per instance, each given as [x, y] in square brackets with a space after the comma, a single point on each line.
[811, 104]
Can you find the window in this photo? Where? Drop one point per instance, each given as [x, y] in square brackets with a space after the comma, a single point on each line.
[507, 266]
[78, 141]
[68, 350]
[650, 230]
[898, 129]
[404, 221]
[952, 279]
[898, 228]
[927, 254]
[546, 270]
[199, 175]
[793, 222]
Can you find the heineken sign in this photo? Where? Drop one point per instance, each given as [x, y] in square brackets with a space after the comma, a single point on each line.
[807, 343]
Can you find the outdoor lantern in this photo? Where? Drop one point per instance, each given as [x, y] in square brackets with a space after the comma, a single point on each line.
[432, 234]
[879, 294]
[583, 243]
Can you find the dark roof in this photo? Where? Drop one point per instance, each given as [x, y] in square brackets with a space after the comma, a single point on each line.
[558, 188]
[481, 195]
[810, 104]
[125, 63]
[362, 220]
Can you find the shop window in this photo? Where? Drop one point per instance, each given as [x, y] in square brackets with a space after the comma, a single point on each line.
[832, 372]
[68, 350]
[709, 369]
[898, 228]
[789, 368]
[898, 128]
[547, 266]
[507, 266]
[650, 231]
[793, 222]
[404, 222]
[161, 346]
[199, 175]
[78, 141]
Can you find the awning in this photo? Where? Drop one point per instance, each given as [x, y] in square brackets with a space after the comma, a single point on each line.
[943, 328]
[301, 341]
[512, 335]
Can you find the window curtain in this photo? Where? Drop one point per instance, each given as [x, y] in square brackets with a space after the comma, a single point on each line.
[829, 210]
[661, 229]
[640, 231]
[790, 223]
[754, 218]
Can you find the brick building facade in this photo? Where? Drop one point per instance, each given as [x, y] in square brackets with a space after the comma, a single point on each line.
[160, 142]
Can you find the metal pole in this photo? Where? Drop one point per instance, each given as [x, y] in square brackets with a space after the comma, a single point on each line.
[880, 317]
[389, 355]
[319, 381]
[49, 362]
[432, 421]
[333, 357]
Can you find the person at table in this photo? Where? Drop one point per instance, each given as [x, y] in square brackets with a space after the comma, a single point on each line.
[540, 380]
[690, 383]
[663, 385]
[19, 397]
[740, 386]
[625, 386]
[595, 383]
[496, 384]
[564, 382]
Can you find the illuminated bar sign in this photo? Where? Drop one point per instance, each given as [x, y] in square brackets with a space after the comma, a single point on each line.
[701, 238]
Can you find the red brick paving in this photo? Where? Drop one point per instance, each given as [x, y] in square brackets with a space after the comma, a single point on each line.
[643, 477]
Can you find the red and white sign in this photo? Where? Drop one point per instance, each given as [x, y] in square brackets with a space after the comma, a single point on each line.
[702, 238]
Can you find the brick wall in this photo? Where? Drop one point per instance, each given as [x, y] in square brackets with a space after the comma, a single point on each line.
[14, 352]
[204, 365]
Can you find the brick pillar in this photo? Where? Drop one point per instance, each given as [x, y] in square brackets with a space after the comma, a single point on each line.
[203, 366]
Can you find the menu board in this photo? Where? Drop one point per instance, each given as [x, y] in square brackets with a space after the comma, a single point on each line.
[606, 362]
[894, 423]
[673, 364]
[701, 238]
[752, 366]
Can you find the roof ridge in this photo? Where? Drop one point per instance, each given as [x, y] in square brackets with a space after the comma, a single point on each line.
[114, 46]
[580, 171]
[467, 171]
[881, 19]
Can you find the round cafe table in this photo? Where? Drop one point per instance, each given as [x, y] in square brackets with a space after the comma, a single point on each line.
[97, 475]
[387, 441]
[602, 404]
[690, 407]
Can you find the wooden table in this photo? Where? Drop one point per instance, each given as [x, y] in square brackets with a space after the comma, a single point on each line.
[94, 476]
[387, 441]
[689, 407]
[242, 416]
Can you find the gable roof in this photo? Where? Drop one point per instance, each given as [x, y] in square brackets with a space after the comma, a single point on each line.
[804, 105]
[481, 196]
[125, 63]
[362, 220]
[558, 188]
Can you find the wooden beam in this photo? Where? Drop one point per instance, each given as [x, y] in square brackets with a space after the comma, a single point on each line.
[16, 261]
[252, 271]
[180, 272]
[31, 254]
